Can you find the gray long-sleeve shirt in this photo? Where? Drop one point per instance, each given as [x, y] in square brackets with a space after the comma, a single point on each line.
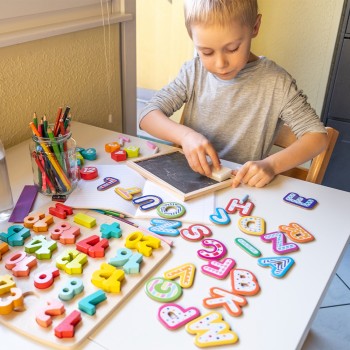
[241, 116]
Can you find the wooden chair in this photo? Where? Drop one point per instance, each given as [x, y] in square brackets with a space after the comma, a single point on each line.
[318, 165]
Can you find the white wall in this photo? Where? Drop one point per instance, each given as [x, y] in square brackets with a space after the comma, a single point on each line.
[300, 36]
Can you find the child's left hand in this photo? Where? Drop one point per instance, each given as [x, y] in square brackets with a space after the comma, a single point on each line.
[254, 173]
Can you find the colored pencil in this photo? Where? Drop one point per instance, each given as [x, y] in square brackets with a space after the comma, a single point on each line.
[65, 114]
[111, 212]
[41, 128]
[55, 146]
[45, 122]
[62, 131]
[43, 172]
[51, 158]
[67, 121]
[58, 117]
[61, 128]
[35, 120]
[57, 180]
[145, 230]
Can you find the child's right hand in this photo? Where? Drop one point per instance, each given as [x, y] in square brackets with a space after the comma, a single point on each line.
[196, 148]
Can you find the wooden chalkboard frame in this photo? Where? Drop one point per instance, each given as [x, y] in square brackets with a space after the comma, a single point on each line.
[164, 162]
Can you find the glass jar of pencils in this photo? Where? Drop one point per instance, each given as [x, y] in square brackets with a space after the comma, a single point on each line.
[54, 163]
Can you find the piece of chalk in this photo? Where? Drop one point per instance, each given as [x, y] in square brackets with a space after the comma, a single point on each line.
[244, 199]
[222, 174]
[151, 144]
[124, 138]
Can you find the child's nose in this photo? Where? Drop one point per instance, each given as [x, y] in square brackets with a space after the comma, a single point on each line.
[221, 61]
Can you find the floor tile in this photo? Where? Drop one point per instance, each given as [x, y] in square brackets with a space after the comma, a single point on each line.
[337, 294]
[330, 330]
[344, 267]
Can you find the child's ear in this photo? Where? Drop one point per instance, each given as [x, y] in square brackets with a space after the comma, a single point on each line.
[256, 26]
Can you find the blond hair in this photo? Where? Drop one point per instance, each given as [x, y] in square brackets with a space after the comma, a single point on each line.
[220, 12]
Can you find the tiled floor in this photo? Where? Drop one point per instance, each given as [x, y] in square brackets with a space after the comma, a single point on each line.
[331, 327]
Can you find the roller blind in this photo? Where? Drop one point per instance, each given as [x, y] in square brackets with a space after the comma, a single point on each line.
[25, 20]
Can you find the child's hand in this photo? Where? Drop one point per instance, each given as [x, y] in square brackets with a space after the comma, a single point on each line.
[196, 147]
[254, 173]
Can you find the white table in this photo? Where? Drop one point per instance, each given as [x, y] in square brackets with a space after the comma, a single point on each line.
[279, 317]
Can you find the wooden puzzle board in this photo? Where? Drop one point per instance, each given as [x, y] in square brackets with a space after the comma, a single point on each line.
[171, 170]
[24, 321]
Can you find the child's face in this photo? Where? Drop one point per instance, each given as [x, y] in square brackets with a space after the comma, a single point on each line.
[224, 51]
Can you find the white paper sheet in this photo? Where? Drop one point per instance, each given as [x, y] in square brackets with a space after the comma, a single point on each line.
[87, 196]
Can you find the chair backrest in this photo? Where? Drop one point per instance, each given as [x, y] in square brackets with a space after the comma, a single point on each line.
[317, 169]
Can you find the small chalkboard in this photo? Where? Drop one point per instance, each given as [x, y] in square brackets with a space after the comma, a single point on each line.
[172, 171]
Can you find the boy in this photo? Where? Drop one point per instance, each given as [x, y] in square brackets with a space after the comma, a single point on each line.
[235, 100]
